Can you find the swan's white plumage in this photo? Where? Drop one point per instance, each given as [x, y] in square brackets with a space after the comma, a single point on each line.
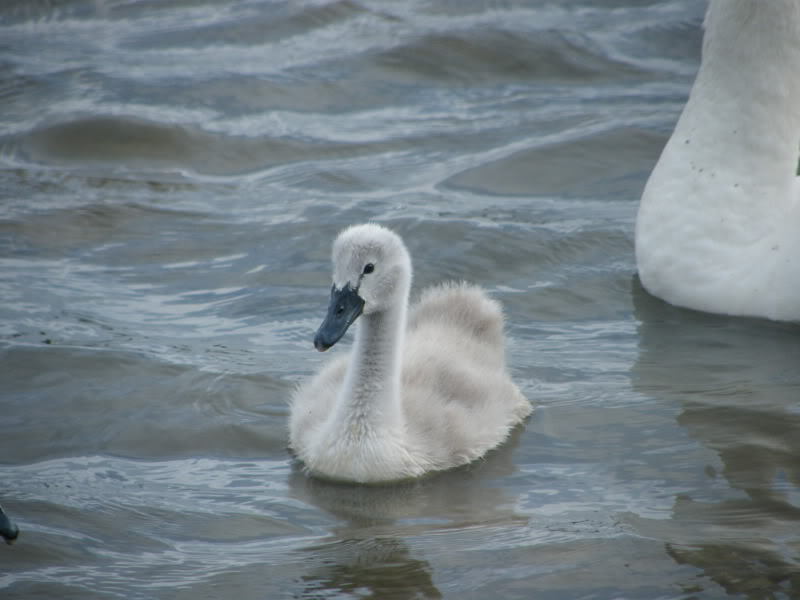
[421, 394]
[718, 227]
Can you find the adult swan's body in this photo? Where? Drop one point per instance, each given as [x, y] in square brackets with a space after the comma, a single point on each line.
[718, 228]
[417, 395]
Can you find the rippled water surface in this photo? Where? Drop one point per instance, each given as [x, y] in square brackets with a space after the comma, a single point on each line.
[172, 175]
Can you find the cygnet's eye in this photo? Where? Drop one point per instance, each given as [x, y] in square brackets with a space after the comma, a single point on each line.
[369, 268]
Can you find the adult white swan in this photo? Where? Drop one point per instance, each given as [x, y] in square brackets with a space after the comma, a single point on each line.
[718, 228]
[415, 395]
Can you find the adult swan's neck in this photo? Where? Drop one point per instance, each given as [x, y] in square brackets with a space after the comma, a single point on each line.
[718, 224]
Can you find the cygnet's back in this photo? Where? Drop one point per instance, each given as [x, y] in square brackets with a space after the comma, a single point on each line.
[454, 378]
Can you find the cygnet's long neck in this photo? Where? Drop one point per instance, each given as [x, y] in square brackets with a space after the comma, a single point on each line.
[370, 397]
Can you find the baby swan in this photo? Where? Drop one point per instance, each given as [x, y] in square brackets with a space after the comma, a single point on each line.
[420, 391]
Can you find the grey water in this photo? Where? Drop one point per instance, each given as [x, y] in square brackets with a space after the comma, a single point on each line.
[172, 174]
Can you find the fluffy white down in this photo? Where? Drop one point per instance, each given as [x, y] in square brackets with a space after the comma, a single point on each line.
[453, 401]
[718, 227]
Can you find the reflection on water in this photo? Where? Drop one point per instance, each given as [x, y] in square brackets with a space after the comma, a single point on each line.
[366, 551]
[739, 395]
[383, 568]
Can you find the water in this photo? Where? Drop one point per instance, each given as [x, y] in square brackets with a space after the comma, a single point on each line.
[172, 175]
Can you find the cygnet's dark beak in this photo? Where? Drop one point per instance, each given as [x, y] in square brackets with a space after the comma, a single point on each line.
[344, 308]
[8, 529]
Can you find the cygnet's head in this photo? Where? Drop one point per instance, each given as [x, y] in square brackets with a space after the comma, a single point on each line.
[371, 274]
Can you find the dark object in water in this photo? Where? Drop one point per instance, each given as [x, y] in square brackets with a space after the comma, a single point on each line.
[8, 529]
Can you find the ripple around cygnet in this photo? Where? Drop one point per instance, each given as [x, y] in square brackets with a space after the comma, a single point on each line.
[166, 514]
